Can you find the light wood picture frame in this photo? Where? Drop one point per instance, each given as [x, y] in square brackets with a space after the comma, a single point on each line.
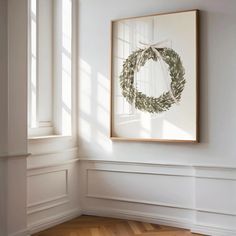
[154, 78]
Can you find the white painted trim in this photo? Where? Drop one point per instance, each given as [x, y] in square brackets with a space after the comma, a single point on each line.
[214, 231]
[216, 173]
[215, 178]
[55, 220]
[48, 172]
[139, 172]
[61, 163]
[24, 232]
[137, 163]
[40, 131]
[46, 138]
[158, 219]
[220, 173]
[15, 155]
[48, 201]
[129, 200]
[63, 199]
[74, 149]
[139, 216]
[30, 212]
[139, 201]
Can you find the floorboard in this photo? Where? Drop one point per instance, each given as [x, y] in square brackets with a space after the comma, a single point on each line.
[102, 226]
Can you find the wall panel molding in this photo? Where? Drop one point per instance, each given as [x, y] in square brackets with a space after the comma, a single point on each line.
[217, 168]
[54, 195]
[48, 201]
[15, 155]
[73, 150]
[132, 175]
[55, 173]
[49, 206]
[53, 220]
[41, 160]
[53, 165]
[208, 211]
[23, 232]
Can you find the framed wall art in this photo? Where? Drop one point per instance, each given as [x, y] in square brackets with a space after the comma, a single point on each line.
[154, 78]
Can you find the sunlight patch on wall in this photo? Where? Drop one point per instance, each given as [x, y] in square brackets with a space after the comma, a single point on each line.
[171, 130]
[85, 87]
[66, 67]
[104, 142]
[33, 66]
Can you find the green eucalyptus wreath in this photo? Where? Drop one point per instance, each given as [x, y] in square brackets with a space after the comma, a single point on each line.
[148, 103]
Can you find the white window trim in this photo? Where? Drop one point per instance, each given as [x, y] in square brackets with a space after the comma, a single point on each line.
[45, 129]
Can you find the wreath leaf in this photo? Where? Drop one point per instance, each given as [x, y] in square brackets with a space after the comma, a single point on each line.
[142, 101]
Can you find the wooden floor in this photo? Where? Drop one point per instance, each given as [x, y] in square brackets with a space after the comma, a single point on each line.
[100, 226]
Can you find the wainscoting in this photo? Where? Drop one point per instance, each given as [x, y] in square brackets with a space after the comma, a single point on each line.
[53, 190]
[194, 197]
[62, 186]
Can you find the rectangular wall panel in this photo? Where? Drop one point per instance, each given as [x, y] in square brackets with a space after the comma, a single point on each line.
[199, 198]
[47, 186]
[141, 187]
[216, 195]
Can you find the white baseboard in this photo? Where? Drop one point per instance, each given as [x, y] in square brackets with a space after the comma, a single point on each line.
[52, 221]
[127, 214]
[24, 232]
[201, 229]
[139, 216]
[159, 219]
[208, 230]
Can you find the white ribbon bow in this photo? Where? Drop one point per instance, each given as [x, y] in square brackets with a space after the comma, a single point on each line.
[162, 44]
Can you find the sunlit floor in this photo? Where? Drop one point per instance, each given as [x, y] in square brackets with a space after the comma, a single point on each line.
[100, 226]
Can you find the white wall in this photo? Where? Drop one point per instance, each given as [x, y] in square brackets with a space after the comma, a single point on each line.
[17, 117]
[2, 197]
[3, 113]
[17, 77]
[217, 31]
[3, 78]
[13, 102]
[205, 172]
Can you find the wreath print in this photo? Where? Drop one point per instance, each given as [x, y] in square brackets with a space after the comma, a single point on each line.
[148, 103]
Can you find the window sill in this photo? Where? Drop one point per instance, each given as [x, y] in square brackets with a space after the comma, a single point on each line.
[48, 137]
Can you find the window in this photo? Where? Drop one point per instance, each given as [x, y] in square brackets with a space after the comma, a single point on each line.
[50, 74]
